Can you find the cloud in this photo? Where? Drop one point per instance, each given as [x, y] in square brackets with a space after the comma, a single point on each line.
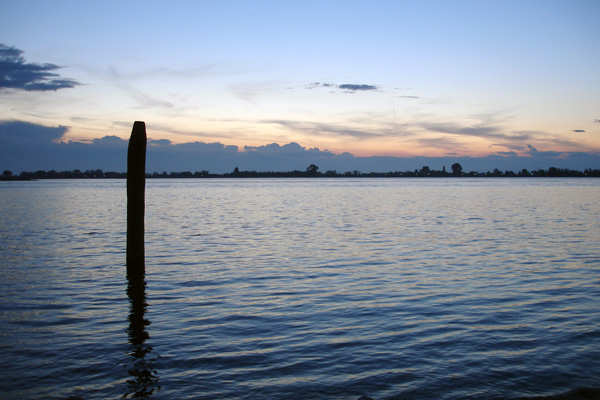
[315, 85]
[29, 147]
[159, 142]
[447, 143]
[353, 88]
[479, 130]
[204, 148]
[597, 120]
[319, 129]
[110, 141]
[290, 149]
[513, 139]
[547, 154]
[16, 73]
[507, 153]
[409, 97]
[275, 148]
[578, 130]
[346, 87]
[24, 133]
[144, 101]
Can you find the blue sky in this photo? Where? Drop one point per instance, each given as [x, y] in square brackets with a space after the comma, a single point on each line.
[402, 79]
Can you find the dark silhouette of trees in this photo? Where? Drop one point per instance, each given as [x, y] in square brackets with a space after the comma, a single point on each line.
[312, 170]
[456, 169]
[425, 171]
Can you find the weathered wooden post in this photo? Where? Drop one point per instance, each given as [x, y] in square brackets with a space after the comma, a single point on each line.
[136, 186]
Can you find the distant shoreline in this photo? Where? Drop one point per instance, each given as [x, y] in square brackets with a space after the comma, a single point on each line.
[311, 172]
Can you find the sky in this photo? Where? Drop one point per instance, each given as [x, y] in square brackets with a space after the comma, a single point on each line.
[275, 85]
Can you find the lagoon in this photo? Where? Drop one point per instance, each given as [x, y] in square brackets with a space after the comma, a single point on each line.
[302, 289]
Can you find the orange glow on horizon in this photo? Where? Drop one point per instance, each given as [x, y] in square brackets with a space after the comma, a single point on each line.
[426, 144]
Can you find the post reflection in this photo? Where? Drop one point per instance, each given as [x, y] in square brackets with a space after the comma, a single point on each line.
[143, 379]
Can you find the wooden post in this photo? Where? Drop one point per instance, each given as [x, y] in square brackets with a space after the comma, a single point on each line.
[136, 186]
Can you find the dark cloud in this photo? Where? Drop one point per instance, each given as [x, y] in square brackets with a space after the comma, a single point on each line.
[353, 88]
[204, 148]
[24, 133]
[290, 149]
[110, 141]
[274, 148]
[30, 147]
[347, 87]
[546, 154]
[16, 73]
[597, 120]
[578, 130]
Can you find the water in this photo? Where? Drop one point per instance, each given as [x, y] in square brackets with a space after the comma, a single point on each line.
[302, 289]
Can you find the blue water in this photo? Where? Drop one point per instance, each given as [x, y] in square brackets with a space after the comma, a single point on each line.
[302, 289]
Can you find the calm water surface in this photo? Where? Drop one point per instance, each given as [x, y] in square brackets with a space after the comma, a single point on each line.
[302, 289]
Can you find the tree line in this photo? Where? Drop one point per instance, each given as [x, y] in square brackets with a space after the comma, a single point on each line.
[311, 171]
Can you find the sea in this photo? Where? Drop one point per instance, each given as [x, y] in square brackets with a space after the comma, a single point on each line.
[391, 288]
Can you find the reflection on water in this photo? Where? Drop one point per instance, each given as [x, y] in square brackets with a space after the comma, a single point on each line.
[144, 380]
[302, 289]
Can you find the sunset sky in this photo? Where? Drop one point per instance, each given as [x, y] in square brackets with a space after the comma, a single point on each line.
[394, 78]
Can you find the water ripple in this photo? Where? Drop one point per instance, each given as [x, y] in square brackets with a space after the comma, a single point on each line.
[296, 289]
